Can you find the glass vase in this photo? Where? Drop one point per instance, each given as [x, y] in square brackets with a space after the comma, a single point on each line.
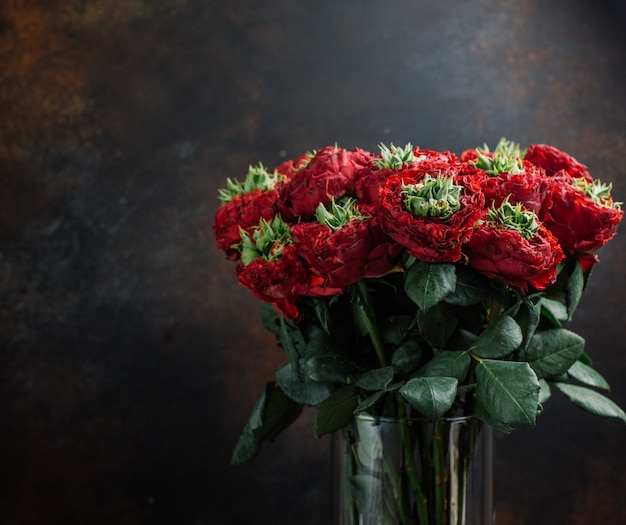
[392, 471]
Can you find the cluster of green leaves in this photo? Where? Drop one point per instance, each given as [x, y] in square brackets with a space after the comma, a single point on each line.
[267, 240]
[395, 157]
[513, 217]
[433, 197]
[257, 178]
[339, 213]
[438, 337]
[597, 191]
[506, 158]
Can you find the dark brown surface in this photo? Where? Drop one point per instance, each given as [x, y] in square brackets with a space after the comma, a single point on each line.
[130, 359]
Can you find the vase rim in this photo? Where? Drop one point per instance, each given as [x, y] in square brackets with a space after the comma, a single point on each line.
[390, 419]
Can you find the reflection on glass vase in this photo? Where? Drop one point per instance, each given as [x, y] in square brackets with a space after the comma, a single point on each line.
[392, 471]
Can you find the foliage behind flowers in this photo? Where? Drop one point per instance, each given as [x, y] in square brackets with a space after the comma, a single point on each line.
[417, 276]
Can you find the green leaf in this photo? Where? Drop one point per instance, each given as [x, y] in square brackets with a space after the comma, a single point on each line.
[544, 393]
[552, 352]
[574, 289]
[279, 412]
[246, 449]
[292, 341]
[591, 401]
[367, 492]
[550, 315]
[406, 357]
[376, 379]
[528, 318]
[248, 446]
[337, 411]
[432, 396]
[437, 324]
[370, 401]
[426, 284]
[587, 375]
[508, 390]
[271, 319]
[320, 343]
[309, 393]
[556, 309]
[395, 328]
[483, 414]
[329, 368]
[273, 412]
[447, 363]
[471, 288]
[499, 339]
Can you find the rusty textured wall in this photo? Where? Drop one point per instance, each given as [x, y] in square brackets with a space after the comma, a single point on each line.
[130, 359]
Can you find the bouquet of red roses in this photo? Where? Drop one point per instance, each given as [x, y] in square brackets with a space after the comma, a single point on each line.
[417, 276]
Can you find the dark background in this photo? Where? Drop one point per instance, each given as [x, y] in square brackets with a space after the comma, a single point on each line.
[131, 359]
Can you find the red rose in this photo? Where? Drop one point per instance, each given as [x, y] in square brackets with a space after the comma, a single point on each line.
[554, 160]
[243, 211]
[343, 257]
[430, 238]
[369, 184]
[471, 155]
[506, 255]
[331, 173]
[437, 160]
[371, 181]
[576, 220]
[279, 282]
[530, 187]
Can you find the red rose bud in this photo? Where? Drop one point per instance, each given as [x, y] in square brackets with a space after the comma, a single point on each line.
[554, 160]
[512, 246]
[431, 216]
[581, 215]
[345, 246]
[331, 173]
